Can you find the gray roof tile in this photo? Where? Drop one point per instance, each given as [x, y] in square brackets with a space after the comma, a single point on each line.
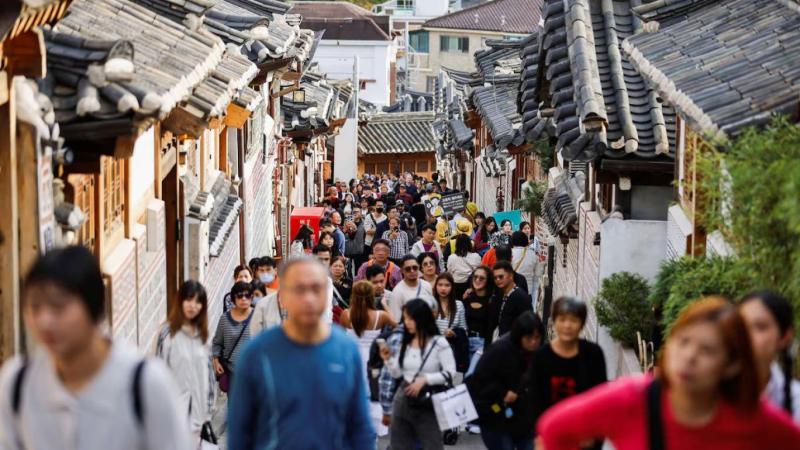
[397, 133]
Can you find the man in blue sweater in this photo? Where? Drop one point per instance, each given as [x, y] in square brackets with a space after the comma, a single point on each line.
[300, 385]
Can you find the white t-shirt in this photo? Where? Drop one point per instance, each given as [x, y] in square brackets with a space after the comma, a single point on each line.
[461, 267]
[371, 223]
[101, 416]
[403, 293]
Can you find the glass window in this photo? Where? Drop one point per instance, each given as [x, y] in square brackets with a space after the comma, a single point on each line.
[418, 41]
[454, 44]
[405, 4]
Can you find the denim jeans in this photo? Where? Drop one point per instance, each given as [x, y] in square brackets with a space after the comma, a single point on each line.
[475, 352]
[502, 440]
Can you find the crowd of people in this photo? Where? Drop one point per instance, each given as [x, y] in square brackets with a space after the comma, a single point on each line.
[349, 338]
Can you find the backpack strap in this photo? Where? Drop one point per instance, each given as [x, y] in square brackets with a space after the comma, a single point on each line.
[136, 387]
[655, 425]
[16, 393]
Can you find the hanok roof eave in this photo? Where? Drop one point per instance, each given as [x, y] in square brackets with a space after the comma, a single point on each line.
[397, 133]
[752, 81]
[503, 16]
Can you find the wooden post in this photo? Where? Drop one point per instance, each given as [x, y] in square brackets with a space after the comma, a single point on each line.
[9, 227]
[27, 196]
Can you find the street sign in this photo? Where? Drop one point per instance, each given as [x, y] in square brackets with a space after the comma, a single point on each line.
[454, 203]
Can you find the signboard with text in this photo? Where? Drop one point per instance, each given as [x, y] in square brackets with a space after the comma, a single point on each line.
[453, 203]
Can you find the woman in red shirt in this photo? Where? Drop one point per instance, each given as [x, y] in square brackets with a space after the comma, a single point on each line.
[706, 397]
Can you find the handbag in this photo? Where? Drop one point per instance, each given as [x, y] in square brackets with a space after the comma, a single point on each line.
[224, 380]
[454, 407]
[460, 346]
[423, 399]
[208, 439]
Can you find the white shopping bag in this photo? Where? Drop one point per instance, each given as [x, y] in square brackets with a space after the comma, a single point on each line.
[454, 407]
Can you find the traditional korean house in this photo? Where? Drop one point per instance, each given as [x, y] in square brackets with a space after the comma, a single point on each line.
[397, 142]
[312, 116]
[724, 66]
[613, 140]
[29, 142]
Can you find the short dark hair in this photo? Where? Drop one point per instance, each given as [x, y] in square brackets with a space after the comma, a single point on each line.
[267, 261]
[257, 285]
[526, 324]
[254, 263]
[381, 241]
[407, 257]
[519, 239]
[503, 253]
[373, 271]
[503, 265]
[239, 287]
[325, 222]
[320, 248]
[74, 269]
[429, 227]
[572, 306]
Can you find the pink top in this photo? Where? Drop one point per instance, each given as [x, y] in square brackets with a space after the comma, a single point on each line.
[618, 412]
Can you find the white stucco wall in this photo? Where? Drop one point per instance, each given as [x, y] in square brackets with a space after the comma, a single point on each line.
[636, 246]
[431, 8]
[336, 58]
[345, 155]
[143, 165]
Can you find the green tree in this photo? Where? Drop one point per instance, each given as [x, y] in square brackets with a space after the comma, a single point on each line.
[752, 192]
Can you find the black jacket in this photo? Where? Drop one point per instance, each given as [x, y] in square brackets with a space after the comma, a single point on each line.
[505, 311]
[502, 368]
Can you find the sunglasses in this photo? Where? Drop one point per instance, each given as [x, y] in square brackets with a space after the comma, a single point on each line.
[410, 268]
[243, 295]
[479, 277]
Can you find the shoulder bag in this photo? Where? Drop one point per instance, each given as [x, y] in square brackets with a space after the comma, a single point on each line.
[225, 379]
[425, 396]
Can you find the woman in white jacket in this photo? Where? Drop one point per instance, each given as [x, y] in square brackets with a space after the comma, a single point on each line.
[524, 261]
[425, 359]
[183, 345]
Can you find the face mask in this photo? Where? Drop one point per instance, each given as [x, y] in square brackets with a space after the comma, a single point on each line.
[267, 278]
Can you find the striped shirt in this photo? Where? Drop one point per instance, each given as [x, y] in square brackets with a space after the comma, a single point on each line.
[460, 321]
[228, 331]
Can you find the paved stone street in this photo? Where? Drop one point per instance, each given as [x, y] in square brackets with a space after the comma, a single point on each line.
[466, 441]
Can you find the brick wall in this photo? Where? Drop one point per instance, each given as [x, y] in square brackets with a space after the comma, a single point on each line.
[151, 282]
[219, 277]
[120, 268]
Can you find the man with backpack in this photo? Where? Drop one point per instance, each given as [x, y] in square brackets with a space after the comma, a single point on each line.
[80, 390]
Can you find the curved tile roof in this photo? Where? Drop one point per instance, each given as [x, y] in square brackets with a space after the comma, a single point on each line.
[600, 102]
[396, 133]
[506, 16]
[722, 74]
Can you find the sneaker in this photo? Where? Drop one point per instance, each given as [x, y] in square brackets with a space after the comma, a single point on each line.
[473, 429]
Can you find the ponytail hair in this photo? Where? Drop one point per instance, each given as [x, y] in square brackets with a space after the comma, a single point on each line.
[782, 312]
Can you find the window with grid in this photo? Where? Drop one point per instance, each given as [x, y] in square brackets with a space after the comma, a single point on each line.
[422, 166]
[418, 41]
[383, 168]
[369, 168]
[405, 4]
[454, 44]
[83, 192]
[113, 179]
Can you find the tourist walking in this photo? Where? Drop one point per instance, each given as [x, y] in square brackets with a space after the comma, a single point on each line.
[365, 323]
[78, 389]
[770, 320]
[380, 253]
[568, 365]
[424, 361]
[461, 263]
[524, 261]
[484, 235]
[499, 389]
[342, 284]
[428, 244]
[706, 396]
[410, 288]
[503, 235]
[301, 385]
[398, 240]
[449, 311]
[428, 263]
[182, 344]
[477, 311]
[233, 331]
[509, 300]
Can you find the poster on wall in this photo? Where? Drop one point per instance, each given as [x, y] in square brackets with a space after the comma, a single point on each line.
[44, 180]
[514, 216]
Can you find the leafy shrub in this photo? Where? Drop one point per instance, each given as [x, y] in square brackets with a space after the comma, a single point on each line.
[690, 279]
[623, 307]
